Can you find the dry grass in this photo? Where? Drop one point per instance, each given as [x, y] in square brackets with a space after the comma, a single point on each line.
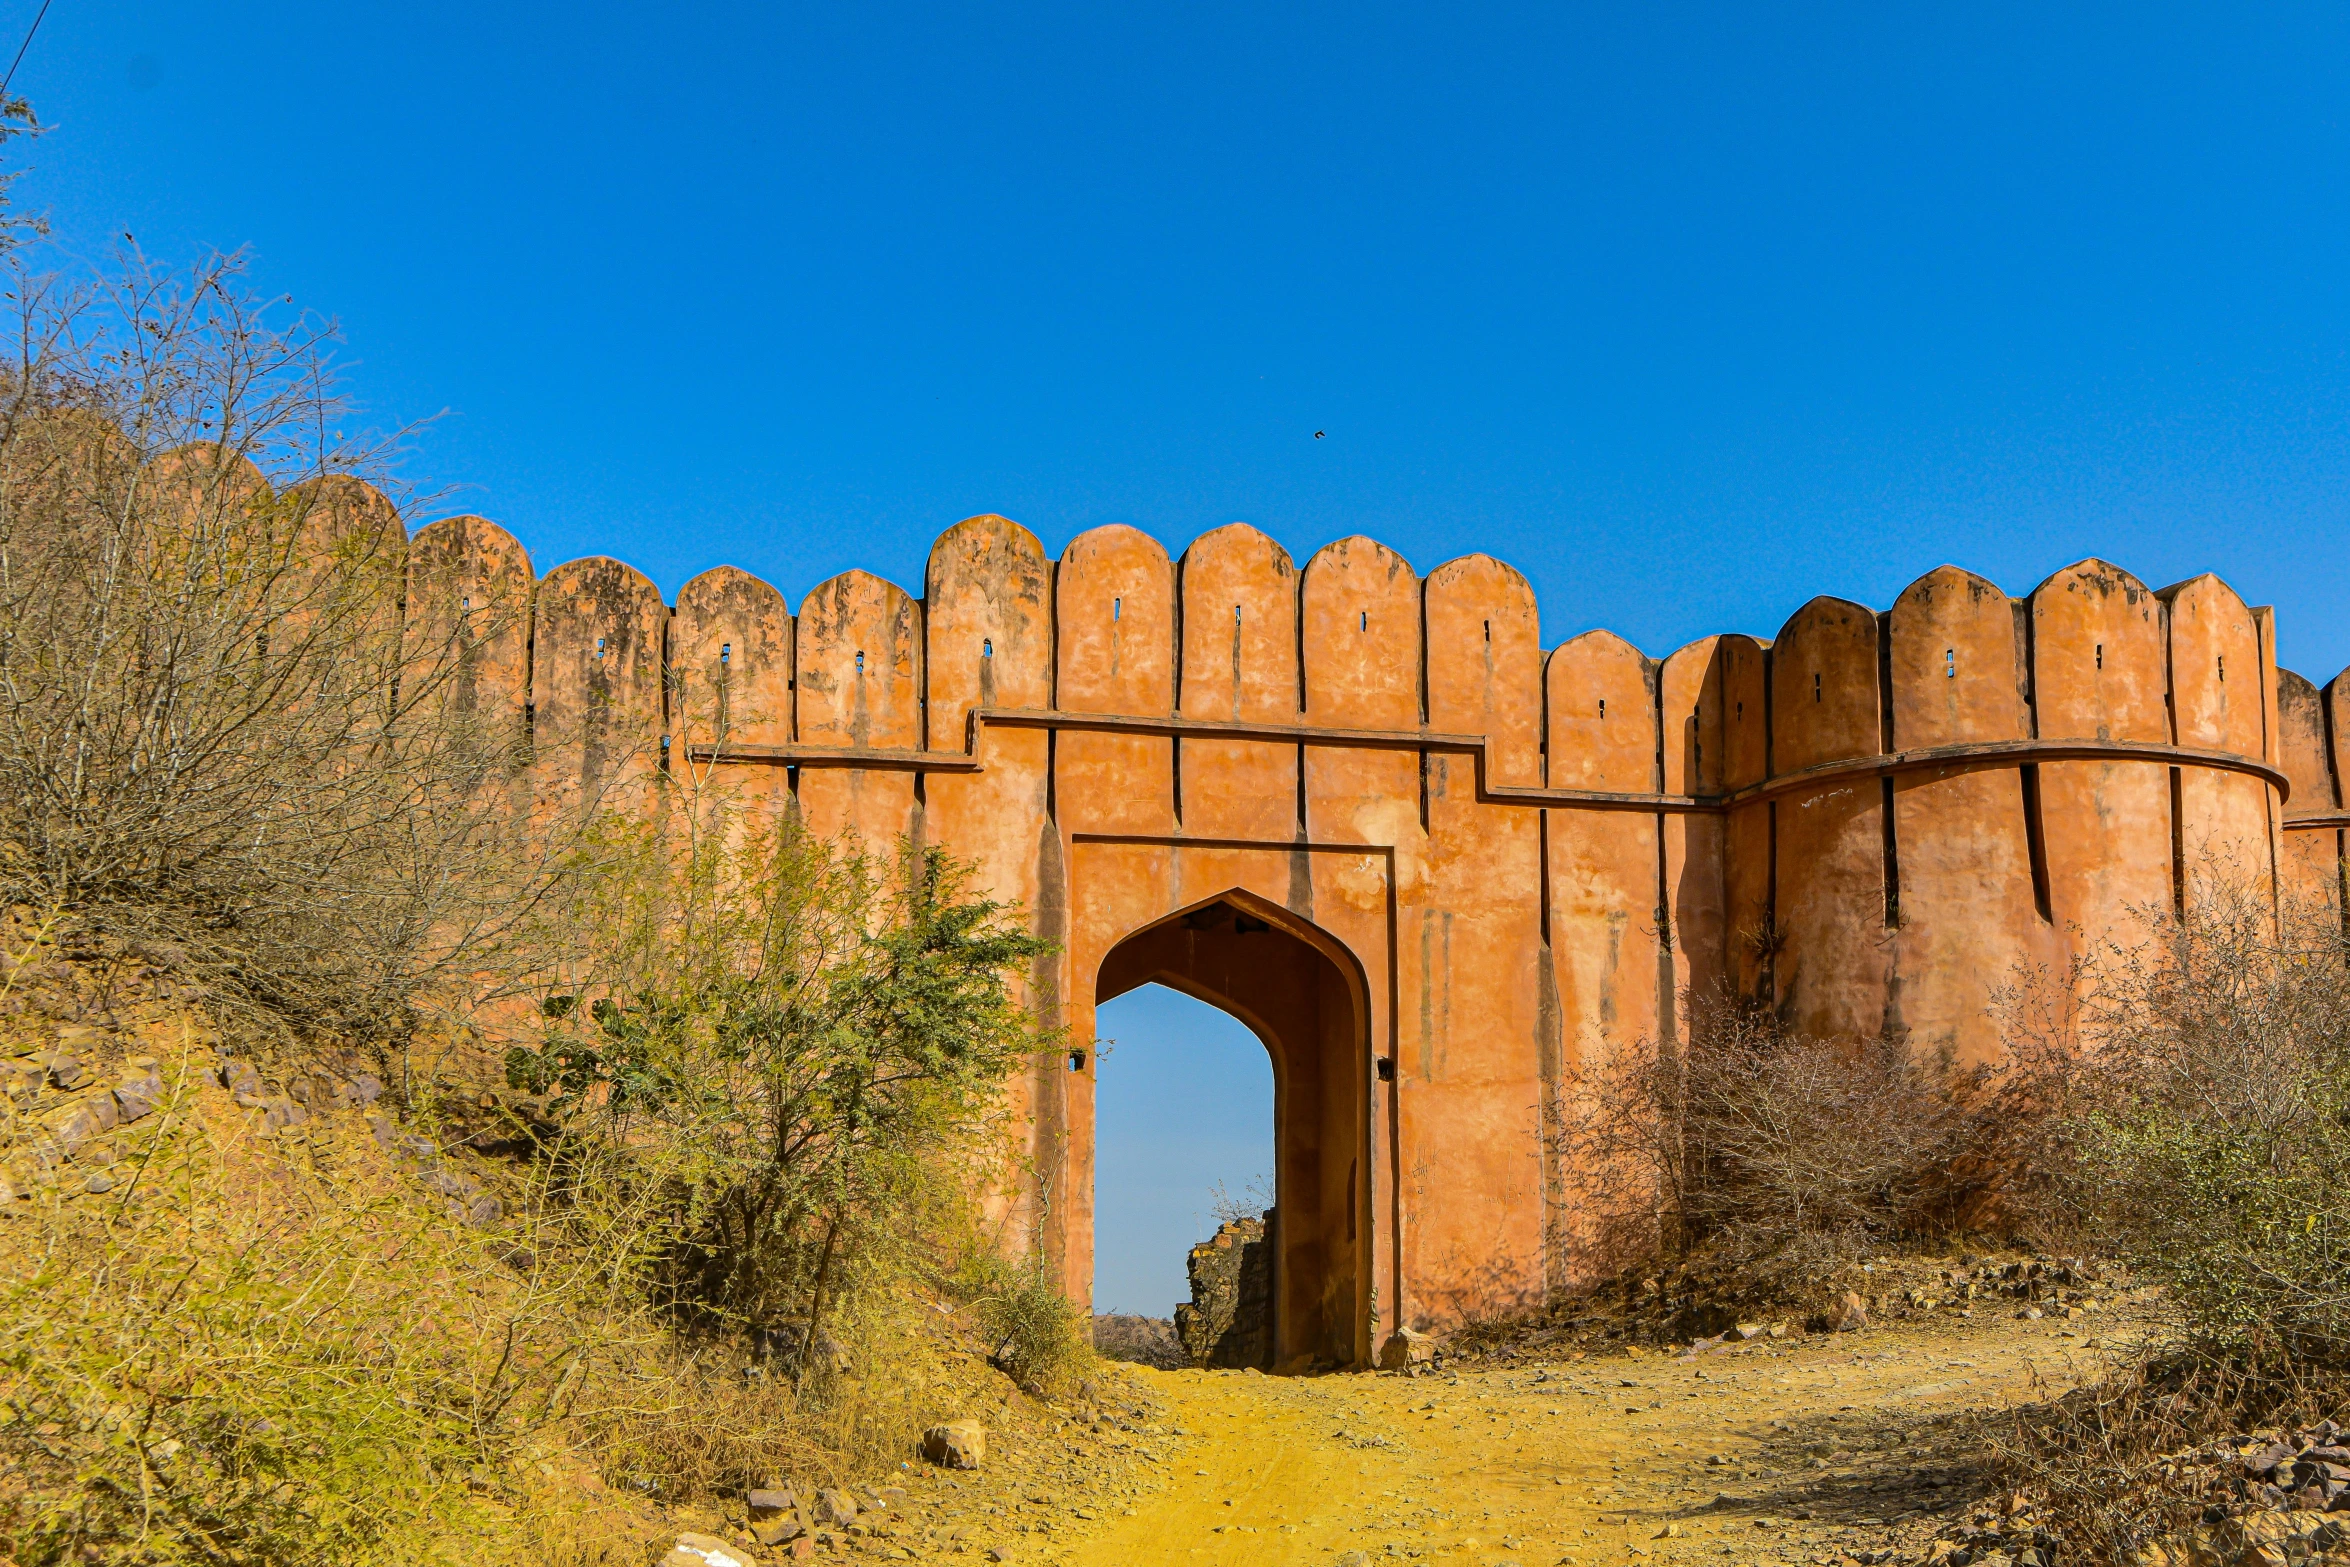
[288, 1348]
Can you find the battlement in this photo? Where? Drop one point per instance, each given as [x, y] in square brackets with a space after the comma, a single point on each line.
[1870, 821]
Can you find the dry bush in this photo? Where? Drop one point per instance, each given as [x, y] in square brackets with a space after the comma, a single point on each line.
[2201, 1131]
[1773, 1153]
[2207, 1135]
[223, 742]
[2102, 1466]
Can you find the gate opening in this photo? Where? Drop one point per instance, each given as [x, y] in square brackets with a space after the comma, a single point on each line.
[1182, 1117]
[1302, 995]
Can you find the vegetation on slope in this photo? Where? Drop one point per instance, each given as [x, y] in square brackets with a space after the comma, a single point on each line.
[386, 1133]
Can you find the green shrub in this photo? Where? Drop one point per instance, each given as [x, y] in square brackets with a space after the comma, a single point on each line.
[1039, 1337]
[798, 1047]
[2207, 1136]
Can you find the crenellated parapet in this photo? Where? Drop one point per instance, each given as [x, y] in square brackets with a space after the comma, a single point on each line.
[1871, 821]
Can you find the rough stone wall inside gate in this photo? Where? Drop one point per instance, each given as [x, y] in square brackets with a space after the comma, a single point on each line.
[1623, 840]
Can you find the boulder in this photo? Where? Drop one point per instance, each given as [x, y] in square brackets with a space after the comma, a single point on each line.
[1848, 1313]
[956, 1444]
[1404, 1349]
[835, 1507]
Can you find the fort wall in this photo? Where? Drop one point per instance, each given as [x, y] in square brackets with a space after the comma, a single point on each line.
[1526, 860]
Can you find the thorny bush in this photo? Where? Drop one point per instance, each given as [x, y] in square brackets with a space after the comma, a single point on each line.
[2207, 1137]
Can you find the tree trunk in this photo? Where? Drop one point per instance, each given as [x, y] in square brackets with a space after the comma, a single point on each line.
[816, 1302]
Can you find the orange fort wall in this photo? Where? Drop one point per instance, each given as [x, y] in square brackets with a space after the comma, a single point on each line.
[1435, 868]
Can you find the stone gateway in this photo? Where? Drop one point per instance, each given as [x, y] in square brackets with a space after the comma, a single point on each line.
[1432, 865]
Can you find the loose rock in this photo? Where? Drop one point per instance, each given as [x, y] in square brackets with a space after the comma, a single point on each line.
[699, 1550]
[957, 1444]
[1404, 1349]
[140, 1092]
[776, 1529]
[79, 1124]
[62, 1070]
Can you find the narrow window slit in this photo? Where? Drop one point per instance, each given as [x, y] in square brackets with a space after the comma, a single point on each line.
[1892, 857]
[1815, 687]
[1116, 606]
[2100, 655]
[860, 661]
[1365, 624]
[1950, 663]
[987, 647]
[725, 654]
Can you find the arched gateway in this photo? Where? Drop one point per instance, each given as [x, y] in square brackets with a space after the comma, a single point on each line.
[1432, 865]
[1300, 990]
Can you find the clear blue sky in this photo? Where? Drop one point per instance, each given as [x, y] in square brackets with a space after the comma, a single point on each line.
[1688, 313]
[1183, 1104]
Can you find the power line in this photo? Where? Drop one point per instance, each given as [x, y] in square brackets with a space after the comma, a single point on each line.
[21, 48]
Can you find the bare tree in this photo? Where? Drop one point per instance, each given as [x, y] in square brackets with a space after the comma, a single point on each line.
[223, 743]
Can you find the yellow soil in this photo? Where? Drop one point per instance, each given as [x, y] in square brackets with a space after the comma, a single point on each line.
[1806, 1450]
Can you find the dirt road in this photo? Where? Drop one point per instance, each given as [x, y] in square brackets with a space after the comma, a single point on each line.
[1807, 1450]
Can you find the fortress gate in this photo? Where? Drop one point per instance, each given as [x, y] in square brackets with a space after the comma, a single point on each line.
[1432, 865]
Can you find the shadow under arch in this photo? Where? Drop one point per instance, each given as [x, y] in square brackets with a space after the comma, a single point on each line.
[1301, 992]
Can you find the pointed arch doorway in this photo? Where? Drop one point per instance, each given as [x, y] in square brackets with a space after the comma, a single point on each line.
[1303, 995]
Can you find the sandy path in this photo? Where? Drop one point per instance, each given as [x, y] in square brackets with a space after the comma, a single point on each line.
[1804, 1451]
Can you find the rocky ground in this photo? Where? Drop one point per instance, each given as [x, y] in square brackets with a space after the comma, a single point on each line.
[1858, 1447]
